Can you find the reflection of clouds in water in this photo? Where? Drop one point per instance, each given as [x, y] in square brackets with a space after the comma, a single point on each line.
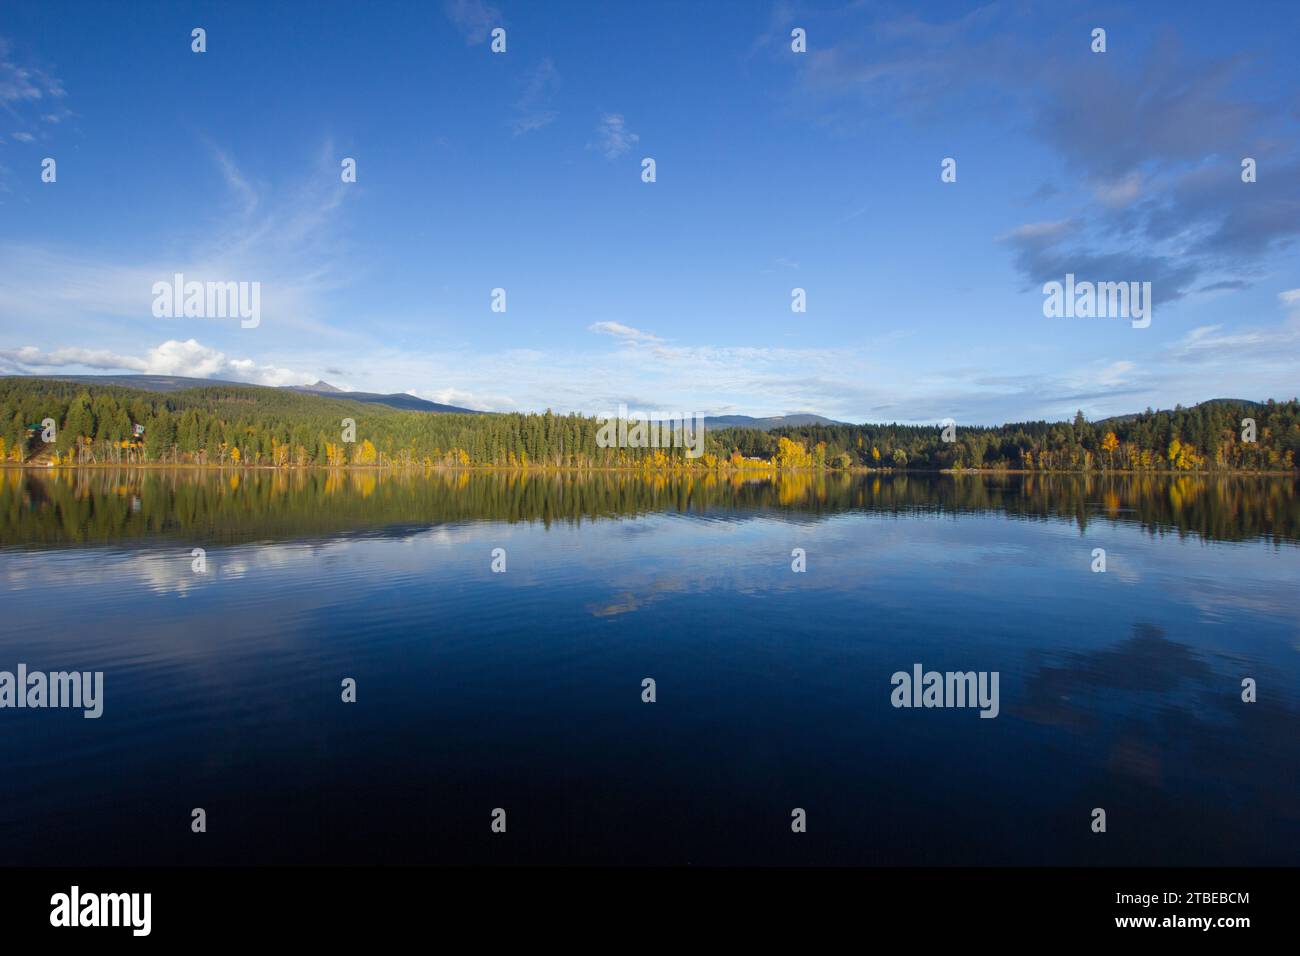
[1146, 662]
[862, 553]
[1190, 572]
[650, 592]
[1220, 601]
[1151, 708]
[844, 552]
[1121, 568]
[448, 534]
[162, 572]
[17, 575]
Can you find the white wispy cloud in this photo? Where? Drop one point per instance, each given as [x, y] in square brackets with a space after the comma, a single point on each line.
[285, 239]
[235, 181]
[28, 94]
[1119, 191]
[532, 110]
[1116, 373]
[1264, 345]
[24, 84]
[473, 18]
[613, 138]
[620, 331]
[872, 382]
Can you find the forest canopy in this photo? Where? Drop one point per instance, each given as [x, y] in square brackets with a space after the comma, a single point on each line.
[245, 426]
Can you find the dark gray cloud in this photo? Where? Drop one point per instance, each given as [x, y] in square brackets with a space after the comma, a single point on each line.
[1044, 252]
[1160, 143]
[1232, 285]
[1108, 115]
[1154, 136]
[1044, 192]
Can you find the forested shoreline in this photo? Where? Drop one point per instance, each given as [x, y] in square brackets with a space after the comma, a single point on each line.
[259, 427]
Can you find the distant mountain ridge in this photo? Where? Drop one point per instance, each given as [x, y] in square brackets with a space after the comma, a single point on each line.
[400, 400]
[407, 402]
[174, 383]
[768, 423]
[320, 386]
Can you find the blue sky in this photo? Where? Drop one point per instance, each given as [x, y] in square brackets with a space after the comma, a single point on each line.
[775, 170]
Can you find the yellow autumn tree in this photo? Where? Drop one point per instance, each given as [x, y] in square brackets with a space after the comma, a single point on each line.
[792, 454]
[1108, 445]
[1182, 457]
[365, 453]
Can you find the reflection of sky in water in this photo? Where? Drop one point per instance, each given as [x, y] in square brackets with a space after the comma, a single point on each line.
[1118, 689]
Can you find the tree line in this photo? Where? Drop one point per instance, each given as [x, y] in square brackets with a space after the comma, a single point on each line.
[240, 426]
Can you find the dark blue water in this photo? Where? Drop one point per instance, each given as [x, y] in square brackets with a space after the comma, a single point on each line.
[523, 690]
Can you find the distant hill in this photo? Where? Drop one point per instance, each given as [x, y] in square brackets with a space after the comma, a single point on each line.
[410, 403]
[174, 383]
[1208, 403]
[767, 424]
[396, 400]
[149, 383]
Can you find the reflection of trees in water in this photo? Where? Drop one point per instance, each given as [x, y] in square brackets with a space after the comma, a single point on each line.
[59, 507]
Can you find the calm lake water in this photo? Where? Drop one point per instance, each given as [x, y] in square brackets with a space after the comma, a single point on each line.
[523, 690]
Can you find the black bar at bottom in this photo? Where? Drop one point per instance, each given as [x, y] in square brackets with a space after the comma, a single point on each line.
[347, 903]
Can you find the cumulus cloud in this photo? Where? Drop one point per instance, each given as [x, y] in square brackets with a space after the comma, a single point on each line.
[173, 357]
[463, 398]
